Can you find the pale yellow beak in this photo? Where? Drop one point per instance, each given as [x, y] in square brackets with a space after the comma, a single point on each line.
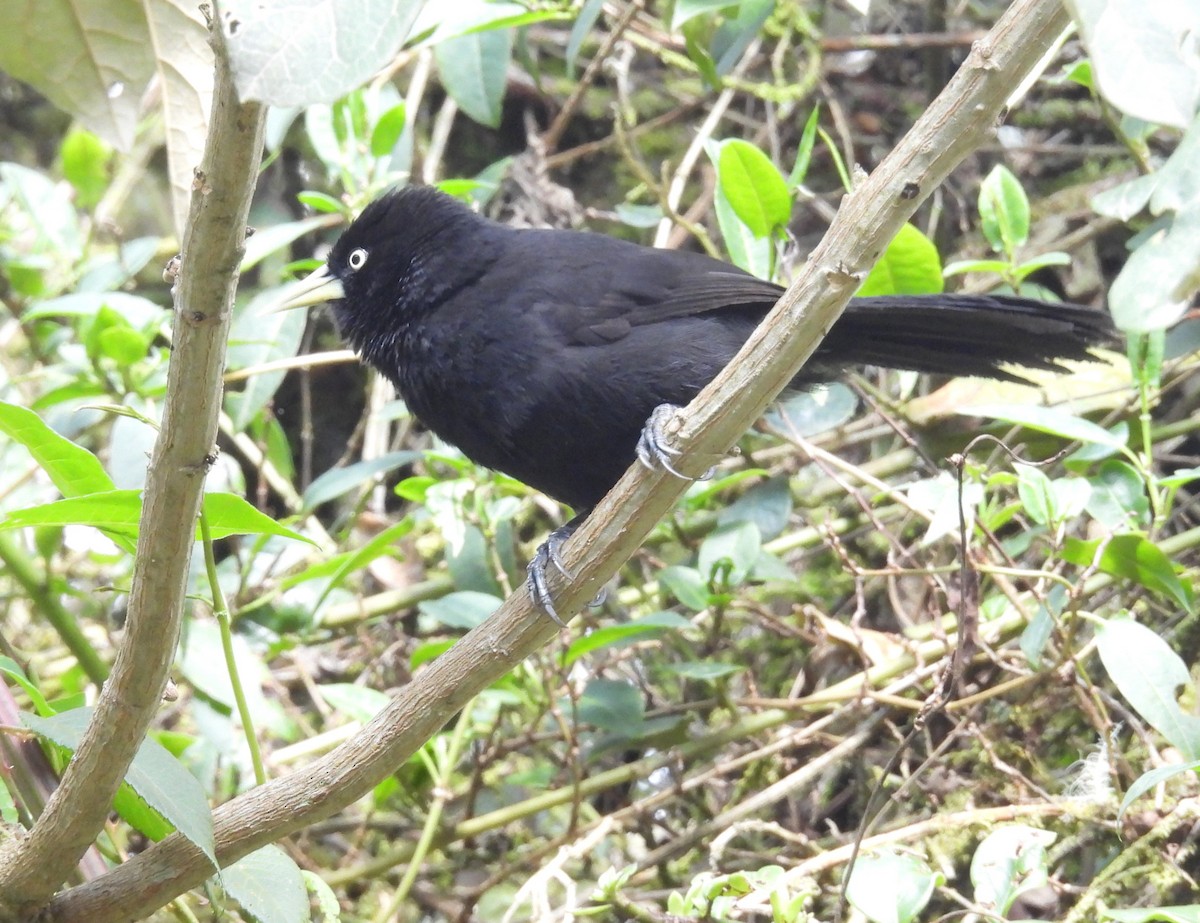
[317, 287]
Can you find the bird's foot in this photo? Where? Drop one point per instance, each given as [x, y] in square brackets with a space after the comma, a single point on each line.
[652, 448]
[549, 554]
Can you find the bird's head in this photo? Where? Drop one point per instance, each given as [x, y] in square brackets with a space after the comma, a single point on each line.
[396, 261]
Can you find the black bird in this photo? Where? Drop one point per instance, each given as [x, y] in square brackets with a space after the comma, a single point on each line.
[543, 353]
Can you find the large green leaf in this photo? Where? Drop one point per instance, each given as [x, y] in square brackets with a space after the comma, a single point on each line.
[754, 187]
[1150, 676]
[269, 886]
[1133, 557]
[158, 778]
[1004, 211]
[71, 468]
[474, 70]
[91, 58]
[909, 266]
[1049, 420]
[120, 510]
[289, 54]
[746, 249]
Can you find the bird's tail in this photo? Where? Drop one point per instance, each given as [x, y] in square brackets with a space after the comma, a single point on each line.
[960, 335]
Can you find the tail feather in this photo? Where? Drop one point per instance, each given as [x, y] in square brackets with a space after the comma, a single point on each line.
[959, 335]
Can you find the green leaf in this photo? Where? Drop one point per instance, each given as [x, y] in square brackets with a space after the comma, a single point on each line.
[1049, 420]
[705, 670]
[768, 505]
[1037, 635]
[736, 31]
[158, 777]
[891, 887]
[1133, 557]
[754, 187]
[137, 311]
[463, 609]
[1152, 779]
[1118, 499]
[474, 71]
[1011, 859]
[688, 9]
[257, 338]
[268, 885]
[320, 202]
[229, 514]
[699, 55]
[639, 216]
[386, 134]
[115, 511]
[735, 545]
[1081, 73]
[909, 266]
[441, 21]
[960, 267]
[1142, 58]
[808, 140]
[814, 410]
[747, 250]
[285, 56]
[337, 481]
[1179, 477]
[1030, 266]
[584, 22]
[939, 498]
[1155, 286]
[120, 510]
[1050, 502]
[424, 653]
[203, 662]
[687, 585]
[93, 63]
[470, 562]
[361, 703]
[134, 810]
[613, 705]
[624, 633]
[123, 344]
[71, 468]
[1036, 495]
[360, 557]
[1189, 913]
[1149, 675]
[1004, 211]
[259, 246]
[329, 909]
[13, 671]
[85, 161]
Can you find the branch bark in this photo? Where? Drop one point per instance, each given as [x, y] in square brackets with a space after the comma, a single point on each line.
[958, 121]
[34, 867]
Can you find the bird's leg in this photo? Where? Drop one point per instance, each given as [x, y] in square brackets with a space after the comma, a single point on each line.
[549, 553]
[652, 448]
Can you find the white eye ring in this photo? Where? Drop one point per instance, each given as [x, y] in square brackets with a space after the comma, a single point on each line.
[357, 259]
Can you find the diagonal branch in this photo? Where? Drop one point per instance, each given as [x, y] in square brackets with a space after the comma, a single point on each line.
[34, 867]
[958, 121]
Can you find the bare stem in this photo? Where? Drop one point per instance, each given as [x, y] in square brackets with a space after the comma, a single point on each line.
[33, 868]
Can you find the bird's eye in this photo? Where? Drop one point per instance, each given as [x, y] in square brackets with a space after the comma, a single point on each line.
[357, 259]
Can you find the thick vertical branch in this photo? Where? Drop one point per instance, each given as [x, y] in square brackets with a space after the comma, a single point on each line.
[957, 122]
[34, 867]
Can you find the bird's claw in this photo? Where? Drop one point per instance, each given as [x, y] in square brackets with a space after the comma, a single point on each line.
[653, 450]
[549, 554]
